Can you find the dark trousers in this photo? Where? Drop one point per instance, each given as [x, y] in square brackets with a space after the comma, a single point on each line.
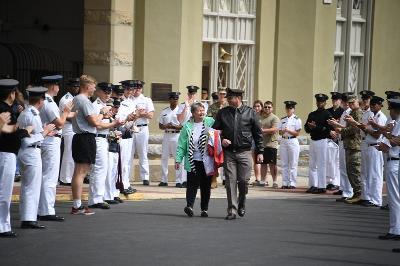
[194, 180]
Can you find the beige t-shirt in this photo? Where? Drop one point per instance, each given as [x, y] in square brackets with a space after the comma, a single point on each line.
[269, 122]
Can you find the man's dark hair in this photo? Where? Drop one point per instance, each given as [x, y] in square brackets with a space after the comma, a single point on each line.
[269, 103]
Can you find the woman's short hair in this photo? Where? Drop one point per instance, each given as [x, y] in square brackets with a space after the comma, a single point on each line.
[195, 106]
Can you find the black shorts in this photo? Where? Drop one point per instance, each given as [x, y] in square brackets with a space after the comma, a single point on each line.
[269, 155]
[84, 148]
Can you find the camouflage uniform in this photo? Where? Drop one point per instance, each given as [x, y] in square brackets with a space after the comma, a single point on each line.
[214, 108]
[352, 144]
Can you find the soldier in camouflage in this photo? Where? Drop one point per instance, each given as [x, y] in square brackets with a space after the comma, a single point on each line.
[351, 136]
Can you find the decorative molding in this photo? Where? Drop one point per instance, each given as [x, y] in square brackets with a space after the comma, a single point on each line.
[107, 58]
[108, 17]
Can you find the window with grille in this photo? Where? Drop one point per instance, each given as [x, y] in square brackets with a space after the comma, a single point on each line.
[352, 50]
[228, 44]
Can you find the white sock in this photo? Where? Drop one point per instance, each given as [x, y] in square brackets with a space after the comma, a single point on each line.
[77, 203]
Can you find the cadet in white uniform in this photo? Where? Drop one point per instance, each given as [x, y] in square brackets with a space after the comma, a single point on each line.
[126, 108]
[10, 142]
[373, 175]
[289, 149]
[67, 163]
[390, 145]
[30, 158]
[140, 137]
[111, 195]
[204, 98]
[345, 190]
[99, 171]
[366, 97]
[171, 126]
[51, 149]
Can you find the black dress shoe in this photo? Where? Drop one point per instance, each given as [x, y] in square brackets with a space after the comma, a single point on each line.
[188, 211]
[53, 218]
[319, 191]
[184, 184]
[204, 214]
[146, 182]
[311, 189]
[396, 250]
[339, 193]
[292, 187]
[101, 205]
[389, 236]
[118, 199]
[329, 186]
[241, 212]
[367, 203]
[112, 201]
[9, 234]
[284, 187]
[333, 188]
[230, 216]
[386, 207]
[178, 185]
[65, 184]
[223, 182]
[31, 225]
[163, 184]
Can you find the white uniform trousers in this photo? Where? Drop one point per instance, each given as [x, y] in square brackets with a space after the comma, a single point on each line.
[393, 190]
[140, 146]
[169, 145]
[345, 185]
[289, 152]
[374, 176]
[50, 169]
[126, 156]
[98, 174]
[67, 163]
[332, 167]
[7, 173]
[110, 190]
[317, 163]
[363, 172]
[31, 172]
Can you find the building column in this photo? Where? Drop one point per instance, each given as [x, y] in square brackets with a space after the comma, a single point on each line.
[108, 39]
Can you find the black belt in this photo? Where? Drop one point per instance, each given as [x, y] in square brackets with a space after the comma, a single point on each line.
[372, 144]
[102, 135]
[292, 137]
[392, 159]
[57, 136]
[37, 146]
[172, 131]
[142, 125]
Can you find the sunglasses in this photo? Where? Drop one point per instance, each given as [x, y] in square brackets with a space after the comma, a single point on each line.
[267, 107]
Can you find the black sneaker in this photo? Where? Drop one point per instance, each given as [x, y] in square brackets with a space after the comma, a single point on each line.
[204, 214]
[188, 211]
[86, 180]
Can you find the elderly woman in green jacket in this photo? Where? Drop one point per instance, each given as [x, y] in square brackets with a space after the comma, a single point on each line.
[192, 147]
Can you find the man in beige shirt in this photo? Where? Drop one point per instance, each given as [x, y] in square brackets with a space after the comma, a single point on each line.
[269, 127]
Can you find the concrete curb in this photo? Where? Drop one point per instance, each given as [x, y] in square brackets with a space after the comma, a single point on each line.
[68, 197]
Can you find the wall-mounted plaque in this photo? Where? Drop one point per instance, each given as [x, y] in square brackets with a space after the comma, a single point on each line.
[159, 91]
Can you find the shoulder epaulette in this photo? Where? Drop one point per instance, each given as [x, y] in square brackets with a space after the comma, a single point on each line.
[283, 117]
[124, 104]
[66, 96]
[49, 99]
[98, 101]
[34, 112]
[165, 108]
[296, 117]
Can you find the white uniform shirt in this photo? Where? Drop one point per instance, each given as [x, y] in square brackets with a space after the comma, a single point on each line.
[49, 112]
[292, 123]
[126, 108]
[366, 115]
[205, 103]
[169, 116]
[98, 104]
[30, 117]
[67, 98]
[379, 118]
[394, 150]
[143, 102]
